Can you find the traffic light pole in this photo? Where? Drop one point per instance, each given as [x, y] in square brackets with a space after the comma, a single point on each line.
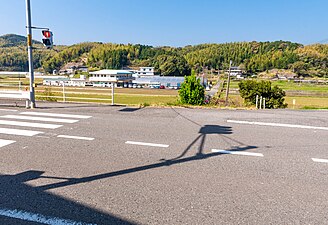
[30, 56]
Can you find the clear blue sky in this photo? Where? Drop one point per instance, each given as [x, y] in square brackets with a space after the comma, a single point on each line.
[170, 22]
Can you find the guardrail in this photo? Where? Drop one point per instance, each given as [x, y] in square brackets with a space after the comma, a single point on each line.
[25, 95]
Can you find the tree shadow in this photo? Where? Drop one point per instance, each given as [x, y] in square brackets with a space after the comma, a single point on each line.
[15, 194]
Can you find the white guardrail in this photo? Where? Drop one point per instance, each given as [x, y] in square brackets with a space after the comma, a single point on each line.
[25, 95]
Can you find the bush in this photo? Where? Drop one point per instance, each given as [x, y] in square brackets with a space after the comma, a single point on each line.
[192, 92]
[274, 96]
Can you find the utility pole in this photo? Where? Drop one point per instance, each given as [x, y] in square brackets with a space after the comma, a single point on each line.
[30, 56]
[228, 84]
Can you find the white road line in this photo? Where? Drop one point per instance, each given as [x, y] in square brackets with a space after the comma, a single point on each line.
[277, 125]
[76, 137]
[237, 153]
[9, 110]
[47, 119]
[28, 124]
[146, 144]
[35, 217]
[28, 133]
[320, 160]
[5, 142]
[56, 115]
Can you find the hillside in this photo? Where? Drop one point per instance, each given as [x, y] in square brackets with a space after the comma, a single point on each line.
[253, 57]
[14, 40]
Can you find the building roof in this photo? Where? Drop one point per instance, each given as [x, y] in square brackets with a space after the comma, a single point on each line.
[111, 72]
[159, 79]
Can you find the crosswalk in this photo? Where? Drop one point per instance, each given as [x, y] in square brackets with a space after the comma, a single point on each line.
[23, 123]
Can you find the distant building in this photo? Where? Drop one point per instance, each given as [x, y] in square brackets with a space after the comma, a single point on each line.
[55, 80]
[144, 72]
[77, 82]
[235, 71]
[104, 78]
[71, 68]
[167, 81]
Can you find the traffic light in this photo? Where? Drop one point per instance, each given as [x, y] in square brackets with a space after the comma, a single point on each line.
[47, 38]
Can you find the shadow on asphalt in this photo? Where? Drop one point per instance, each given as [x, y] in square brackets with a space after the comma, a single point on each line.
[130, 109]
[15, 194]
[205, 130]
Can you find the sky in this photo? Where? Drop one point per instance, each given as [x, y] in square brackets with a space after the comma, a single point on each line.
[170, 22]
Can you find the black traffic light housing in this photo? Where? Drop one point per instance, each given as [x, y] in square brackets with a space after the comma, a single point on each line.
[47, 38]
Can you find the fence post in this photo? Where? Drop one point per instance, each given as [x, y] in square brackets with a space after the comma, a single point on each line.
[261, 102]
[112, 93]
[257, 101]
[64, 100]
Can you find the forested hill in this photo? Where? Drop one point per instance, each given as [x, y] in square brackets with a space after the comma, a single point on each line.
[13, 40]
[253, 57]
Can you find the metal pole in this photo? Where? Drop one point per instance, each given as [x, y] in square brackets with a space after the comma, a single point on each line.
[228, 84]
[30, 57]
[112, 93]
[64, 100]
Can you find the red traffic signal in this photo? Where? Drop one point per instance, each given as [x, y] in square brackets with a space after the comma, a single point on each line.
[47, 38]
[46, 33]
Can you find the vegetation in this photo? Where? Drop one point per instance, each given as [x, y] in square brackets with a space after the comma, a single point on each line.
[274, 96]
[192, 92]
[253, 57]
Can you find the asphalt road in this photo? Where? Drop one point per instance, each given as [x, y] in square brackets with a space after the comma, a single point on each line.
[163, 166]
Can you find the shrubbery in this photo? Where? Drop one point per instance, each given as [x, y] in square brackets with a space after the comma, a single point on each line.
[274, 95]
[192, 92]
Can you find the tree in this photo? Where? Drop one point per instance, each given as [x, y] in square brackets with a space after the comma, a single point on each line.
[274, 96]
[192, 92]
[172, 65]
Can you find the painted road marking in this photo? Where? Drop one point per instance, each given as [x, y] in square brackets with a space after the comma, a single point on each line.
[56, 115]
[28, 124]
[277, 125]
[47, 119]
[146, 144]
[19, 132]
[237, 153]
[9, 110]
[320, 160]
[5, 142]
[34, 217]
[76, 137]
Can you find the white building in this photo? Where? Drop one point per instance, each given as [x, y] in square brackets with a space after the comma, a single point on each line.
[235, 71]
[77, 82]
[104, 78]
[145, 72]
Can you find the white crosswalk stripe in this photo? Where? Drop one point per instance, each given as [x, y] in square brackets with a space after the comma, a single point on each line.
[19, 132]
[5, 142]
[35, 118]
[18, 121]
[56, 115]
[28, 124]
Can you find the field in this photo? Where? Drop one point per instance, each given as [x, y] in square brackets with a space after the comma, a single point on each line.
[305, 96]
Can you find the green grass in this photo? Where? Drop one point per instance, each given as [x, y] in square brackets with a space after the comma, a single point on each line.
[307, 102]
[119, 98]
[291, 86]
